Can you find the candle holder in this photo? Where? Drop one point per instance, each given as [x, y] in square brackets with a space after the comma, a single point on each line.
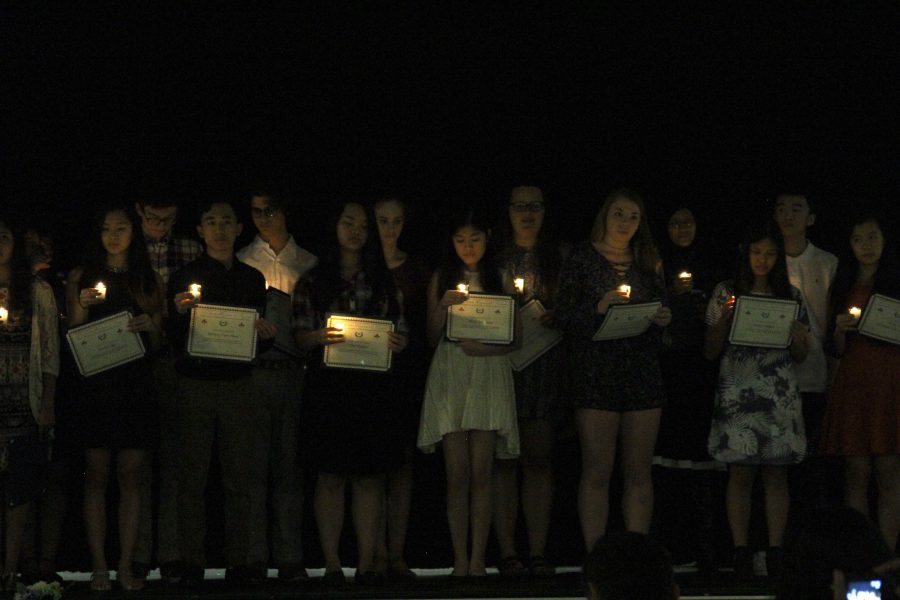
[101, 291]
[625, 289]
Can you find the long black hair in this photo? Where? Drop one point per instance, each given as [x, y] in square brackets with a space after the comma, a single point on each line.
[886, 280]
[140, 278]
[20, 287]
[452, 270]
[328, 280]
[765, 229]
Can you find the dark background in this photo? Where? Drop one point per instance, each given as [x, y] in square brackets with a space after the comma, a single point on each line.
[717, 105]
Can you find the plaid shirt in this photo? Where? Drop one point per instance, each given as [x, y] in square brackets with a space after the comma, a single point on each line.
[171, 253]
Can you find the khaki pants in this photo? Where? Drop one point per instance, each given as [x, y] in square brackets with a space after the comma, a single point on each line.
[220, 412]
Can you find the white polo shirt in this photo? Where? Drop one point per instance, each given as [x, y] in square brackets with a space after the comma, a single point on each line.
[812, 272]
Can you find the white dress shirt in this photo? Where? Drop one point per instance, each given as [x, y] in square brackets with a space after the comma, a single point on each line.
[282, 270]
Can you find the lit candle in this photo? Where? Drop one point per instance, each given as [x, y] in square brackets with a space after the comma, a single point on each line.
[684, 276]
[4, 314]
[101, 290]
[519, 283]
[855, 312]
[267, 284]
[625, 289]
[339, 325]
[464, 288]
[195, 290]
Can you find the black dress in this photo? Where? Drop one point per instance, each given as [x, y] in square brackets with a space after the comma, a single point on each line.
[116, 409]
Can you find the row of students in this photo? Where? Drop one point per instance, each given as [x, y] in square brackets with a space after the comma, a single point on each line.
[473, 404]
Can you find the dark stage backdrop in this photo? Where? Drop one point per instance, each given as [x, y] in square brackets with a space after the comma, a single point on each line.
[717, 105]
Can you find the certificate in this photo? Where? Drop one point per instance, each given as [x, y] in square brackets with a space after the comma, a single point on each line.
[763, 322]
[223, 332]
[365, 344]
[536, 337]
[482, 317]
[626, 320]
[279, 311]
[104, 344]
[881, 319]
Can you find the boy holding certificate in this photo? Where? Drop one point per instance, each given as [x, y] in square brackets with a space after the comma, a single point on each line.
[278, 380]
[215, 397]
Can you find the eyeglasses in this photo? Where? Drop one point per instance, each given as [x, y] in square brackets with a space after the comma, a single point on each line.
[157, 220]
[267, 211]
[527, 207]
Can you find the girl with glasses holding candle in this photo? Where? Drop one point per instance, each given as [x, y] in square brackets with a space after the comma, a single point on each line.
[469, 404]
[862, 419]
[117, 413]
[348, 413]
[531, 255]
[684, 477]
[757, 425]
[616, 385]
[411, 275]
[29, 365]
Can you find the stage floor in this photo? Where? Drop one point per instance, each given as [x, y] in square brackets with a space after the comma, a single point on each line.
[431, 584]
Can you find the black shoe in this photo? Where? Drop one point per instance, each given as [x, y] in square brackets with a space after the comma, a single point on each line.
[334, 580]
[370, 578]
[170, 572]
[139, 569]
[292, 573]
[244, 576]
[191, 576]
[743, 563]
[774, 563]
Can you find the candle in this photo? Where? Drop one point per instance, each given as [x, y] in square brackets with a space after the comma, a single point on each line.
[339, 325]
[684, 276]
[625, 289]
[464, 288]
[101, 290]
[267, 284]
[855, 312]
[4, 314]
[195, 290]
[519, 282]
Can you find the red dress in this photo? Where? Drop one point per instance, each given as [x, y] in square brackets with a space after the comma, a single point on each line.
[863, 413]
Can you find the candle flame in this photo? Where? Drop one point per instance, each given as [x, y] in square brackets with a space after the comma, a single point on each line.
[463, 287]
[855, 312]
[625, 289]
[4, 314]
[684, 275]
[519, 283]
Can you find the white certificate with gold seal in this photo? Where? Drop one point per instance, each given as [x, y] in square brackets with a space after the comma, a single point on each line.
[537, 338]
[222, 332]
[763, 322]
[365, 345]
[104, 344]
[486, 318]
[626, 320]
[881, 319]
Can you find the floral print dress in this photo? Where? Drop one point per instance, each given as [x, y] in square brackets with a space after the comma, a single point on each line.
[757, 415]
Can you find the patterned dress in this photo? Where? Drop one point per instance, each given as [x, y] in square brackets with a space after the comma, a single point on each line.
[539, 385]
[757, 416]
[614, 375]
[16, 419]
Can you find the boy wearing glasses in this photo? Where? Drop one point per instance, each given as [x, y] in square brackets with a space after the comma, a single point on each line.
[277, 380]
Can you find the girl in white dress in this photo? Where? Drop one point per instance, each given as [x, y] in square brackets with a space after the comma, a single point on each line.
[469, 396]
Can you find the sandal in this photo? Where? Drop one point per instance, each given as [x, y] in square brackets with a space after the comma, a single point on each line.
[538, 566]
[100, 581]
[511, 566]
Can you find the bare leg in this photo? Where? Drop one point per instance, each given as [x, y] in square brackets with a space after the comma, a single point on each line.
[597, 432]
[737, 501]
[857, 472]
[367, 510]
[16, 520]
[778, 502]
[328, 503]
[129, 469]
[456, 459]
[399, 499]
[481, 459]
[506, 505]
[887, 474]
[53, 515]
[537, 481]
[638, 432]
[96, 479]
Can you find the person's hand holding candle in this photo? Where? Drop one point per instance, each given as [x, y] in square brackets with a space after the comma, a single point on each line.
[684, 283]
[457, 296]
[184, 301]
[92, 295]
[614, 296]
[846, 322]
[519, 284]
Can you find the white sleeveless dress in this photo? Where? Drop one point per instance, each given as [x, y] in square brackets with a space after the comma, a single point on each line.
[469, 393]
